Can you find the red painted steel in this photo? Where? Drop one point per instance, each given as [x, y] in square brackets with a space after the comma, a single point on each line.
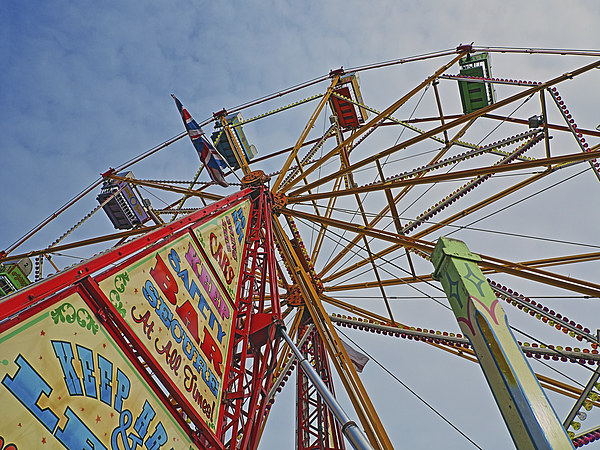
[250, 374]
[251, 356]
[345, 110]
[316, 428]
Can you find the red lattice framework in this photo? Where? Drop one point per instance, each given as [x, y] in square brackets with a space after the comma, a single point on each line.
[316, 428]
[258, 311]
[255, 341]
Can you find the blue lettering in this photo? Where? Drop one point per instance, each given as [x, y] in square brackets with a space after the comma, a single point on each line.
[106, 369]
[64, 353]
[77, 435]
[220, 332]
[158, 438]
[184, 277]
[87, 367]
[144, 419]
[123, 386]
[28, 386]
[164, 313]
[174, 260]
[150, 293]
[213, 384]
[193, 290]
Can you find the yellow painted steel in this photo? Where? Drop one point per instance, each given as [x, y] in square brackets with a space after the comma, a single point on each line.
[385, 113]
[431, 228]
[167, 187]
[345, 369]
[240, 157]
[328, 211]
[488, 262]
[546, 262]
[304, 133]
[488, 170]
[460, 120]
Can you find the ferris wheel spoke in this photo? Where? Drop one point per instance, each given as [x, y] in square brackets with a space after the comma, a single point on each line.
[329, 209]
[345, 369]
[481, 204]
[349, 268]
[487, 262]
[451, 176]
[186, 196]
[82, 243]
[460, 346]
[371, 284]
[367, 246]
[293, 155]
[565, 259]
[541, 276]
[379, 117]
[353, 309]
[546, 262]
[469, 186]
[460, 120]
[167, 187]
[363, 230]
[390, 207]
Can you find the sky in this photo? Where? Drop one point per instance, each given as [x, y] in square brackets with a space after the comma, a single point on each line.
[86, 86]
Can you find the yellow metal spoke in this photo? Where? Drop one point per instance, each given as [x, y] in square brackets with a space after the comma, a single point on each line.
[385, 113]
[345, 369]
[302, 137]
[460, 120]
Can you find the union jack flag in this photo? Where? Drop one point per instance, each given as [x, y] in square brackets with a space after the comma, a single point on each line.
[207, 152]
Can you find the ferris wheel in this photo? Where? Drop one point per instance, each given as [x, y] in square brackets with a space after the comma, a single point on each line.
[449, 223]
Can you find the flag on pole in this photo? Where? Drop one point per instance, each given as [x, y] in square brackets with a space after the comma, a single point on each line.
[207, 152]
[358, 359]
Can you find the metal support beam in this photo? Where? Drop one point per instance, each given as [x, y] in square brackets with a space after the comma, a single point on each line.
[379, 118]
[583, 397]
[488, 170]
[462, 119]
[303, 135]
[349, 428]
[530, 419]
[339, 357]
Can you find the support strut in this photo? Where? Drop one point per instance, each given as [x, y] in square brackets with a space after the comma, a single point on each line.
[530, 419]
[349, 428]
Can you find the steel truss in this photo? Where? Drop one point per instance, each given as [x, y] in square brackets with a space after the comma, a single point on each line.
[316, 428]
[377, 247]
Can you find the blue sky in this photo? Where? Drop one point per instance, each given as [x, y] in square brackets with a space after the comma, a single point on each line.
[85, 86]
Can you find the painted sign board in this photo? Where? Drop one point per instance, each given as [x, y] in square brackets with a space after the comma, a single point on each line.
[174, 303]
[66, 383]
[223, 239]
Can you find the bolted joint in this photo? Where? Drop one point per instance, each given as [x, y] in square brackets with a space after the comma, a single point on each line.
[254, 179]
[294, 297]
[465, 47]
[109, 172]
[219, 114]
[334, 72]
[279, 202]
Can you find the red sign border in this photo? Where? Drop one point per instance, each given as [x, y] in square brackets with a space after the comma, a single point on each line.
[81, 288]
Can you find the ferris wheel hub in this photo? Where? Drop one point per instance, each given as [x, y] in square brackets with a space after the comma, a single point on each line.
[255, 178]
